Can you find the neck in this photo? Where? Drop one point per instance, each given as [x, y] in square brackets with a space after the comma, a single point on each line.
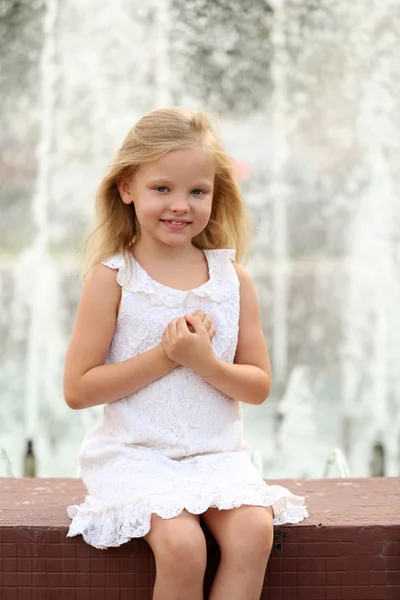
[152, 250]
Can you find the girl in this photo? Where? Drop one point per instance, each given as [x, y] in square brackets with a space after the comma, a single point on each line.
[168, 339]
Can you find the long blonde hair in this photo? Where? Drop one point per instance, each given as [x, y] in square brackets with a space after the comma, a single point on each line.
[154, 135]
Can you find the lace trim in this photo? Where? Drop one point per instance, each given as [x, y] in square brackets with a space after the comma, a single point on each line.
[109, 525]
[133, 278]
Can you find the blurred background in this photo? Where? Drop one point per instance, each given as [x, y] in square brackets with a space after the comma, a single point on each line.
[306, 96]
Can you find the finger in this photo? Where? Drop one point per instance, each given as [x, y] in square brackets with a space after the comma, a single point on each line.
[211, 332]
[194, 322]
[165, 340]
[173, 327]
[207, 323]
[199, 315]
[181, 326]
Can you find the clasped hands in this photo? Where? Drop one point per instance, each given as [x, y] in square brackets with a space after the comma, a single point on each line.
[187, 340]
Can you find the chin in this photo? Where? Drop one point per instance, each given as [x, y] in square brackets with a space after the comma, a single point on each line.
[176, 241]
[175, 238]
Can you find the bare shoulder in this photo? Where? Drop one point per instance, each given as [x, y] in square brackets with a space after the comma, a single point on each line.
[102, 276]
[101, 287]
[241, 271]
[245, 280]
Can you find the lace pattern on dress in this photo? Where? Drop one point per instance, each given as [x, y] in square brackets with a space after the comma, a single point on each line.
[133, 278]
[177, 443]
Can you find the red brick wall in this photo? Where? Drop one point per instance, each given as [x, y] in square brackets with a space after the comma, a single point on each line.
[349, 549]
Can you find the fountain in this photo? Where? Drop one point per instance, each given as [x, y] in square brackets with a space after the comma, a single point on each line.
[371, 371]
[311, 107]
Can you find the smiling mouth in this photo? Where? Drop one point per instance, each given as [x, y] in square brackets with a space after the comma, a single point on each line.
[175, 221]
[175, 224]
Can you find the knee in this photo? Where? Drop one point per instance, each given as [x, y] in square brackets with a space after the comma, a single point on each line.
[253, 539]
[261, 534]
[181, 550]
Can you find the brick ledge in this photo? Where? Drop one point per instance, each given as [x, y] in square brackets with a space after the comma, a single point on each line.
[330, 502]
[349, 549]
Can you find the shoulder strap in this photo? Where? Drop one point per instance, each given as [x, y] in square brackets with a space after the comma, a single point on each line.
[114, 262]
[221, 265]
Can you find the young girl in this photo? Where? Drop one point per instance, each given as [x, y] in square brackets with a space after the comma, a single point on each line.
[168, 339]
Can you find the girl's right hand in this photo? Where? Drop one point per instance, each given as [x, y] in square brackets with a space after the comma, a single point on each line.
[207, 324]
[184, 347]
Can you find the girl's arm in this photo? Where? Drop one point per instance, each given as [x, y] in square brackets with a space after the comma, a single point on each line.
[249, 378]
[87, 380]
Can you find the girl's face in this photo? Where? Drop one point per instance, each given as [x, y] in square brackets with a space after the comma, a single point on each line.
[172, 196]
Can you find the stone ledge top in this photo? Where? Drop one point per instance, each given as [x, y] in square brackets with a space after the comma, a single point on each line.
[351, 502]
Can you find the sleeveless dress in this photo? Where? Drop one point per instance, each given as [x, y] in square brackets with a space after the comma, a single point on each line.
[178, 442]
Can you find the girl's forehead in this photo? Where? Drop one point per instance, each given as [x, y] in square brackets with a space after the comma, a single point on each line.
[181, 164]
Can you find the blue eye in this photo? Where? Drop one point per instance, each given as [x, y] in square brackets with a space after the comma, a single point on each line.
[197, 190]
[161, 188]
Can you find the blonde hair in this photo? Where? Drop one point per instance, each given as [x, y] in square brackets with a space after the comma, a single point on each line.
[154, 135]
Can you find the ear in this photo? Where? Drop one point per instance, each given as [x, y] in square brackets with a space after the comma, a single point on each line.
[125, 191]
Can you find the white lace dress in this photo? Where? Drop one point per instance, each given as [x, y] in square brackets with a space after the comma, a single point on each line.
[177, 443]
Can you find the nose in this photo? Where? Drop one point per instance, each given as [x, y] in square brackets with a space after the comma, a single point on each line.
[179, 205]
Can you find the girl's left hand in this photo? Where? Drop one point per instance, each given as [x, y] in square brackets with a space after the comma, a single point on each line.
[186, 348]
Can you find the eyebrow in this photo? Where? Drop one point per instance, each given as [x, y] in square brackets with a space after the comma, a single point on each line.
[166, 181]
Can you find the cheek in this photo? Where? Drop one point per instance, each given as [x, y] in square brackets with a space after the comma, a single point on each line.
[148, 210]
[204, 212]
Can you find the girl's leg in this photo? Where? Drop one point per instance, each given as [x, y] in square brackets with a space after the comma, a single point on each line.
[179, 549]
[245, 536]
